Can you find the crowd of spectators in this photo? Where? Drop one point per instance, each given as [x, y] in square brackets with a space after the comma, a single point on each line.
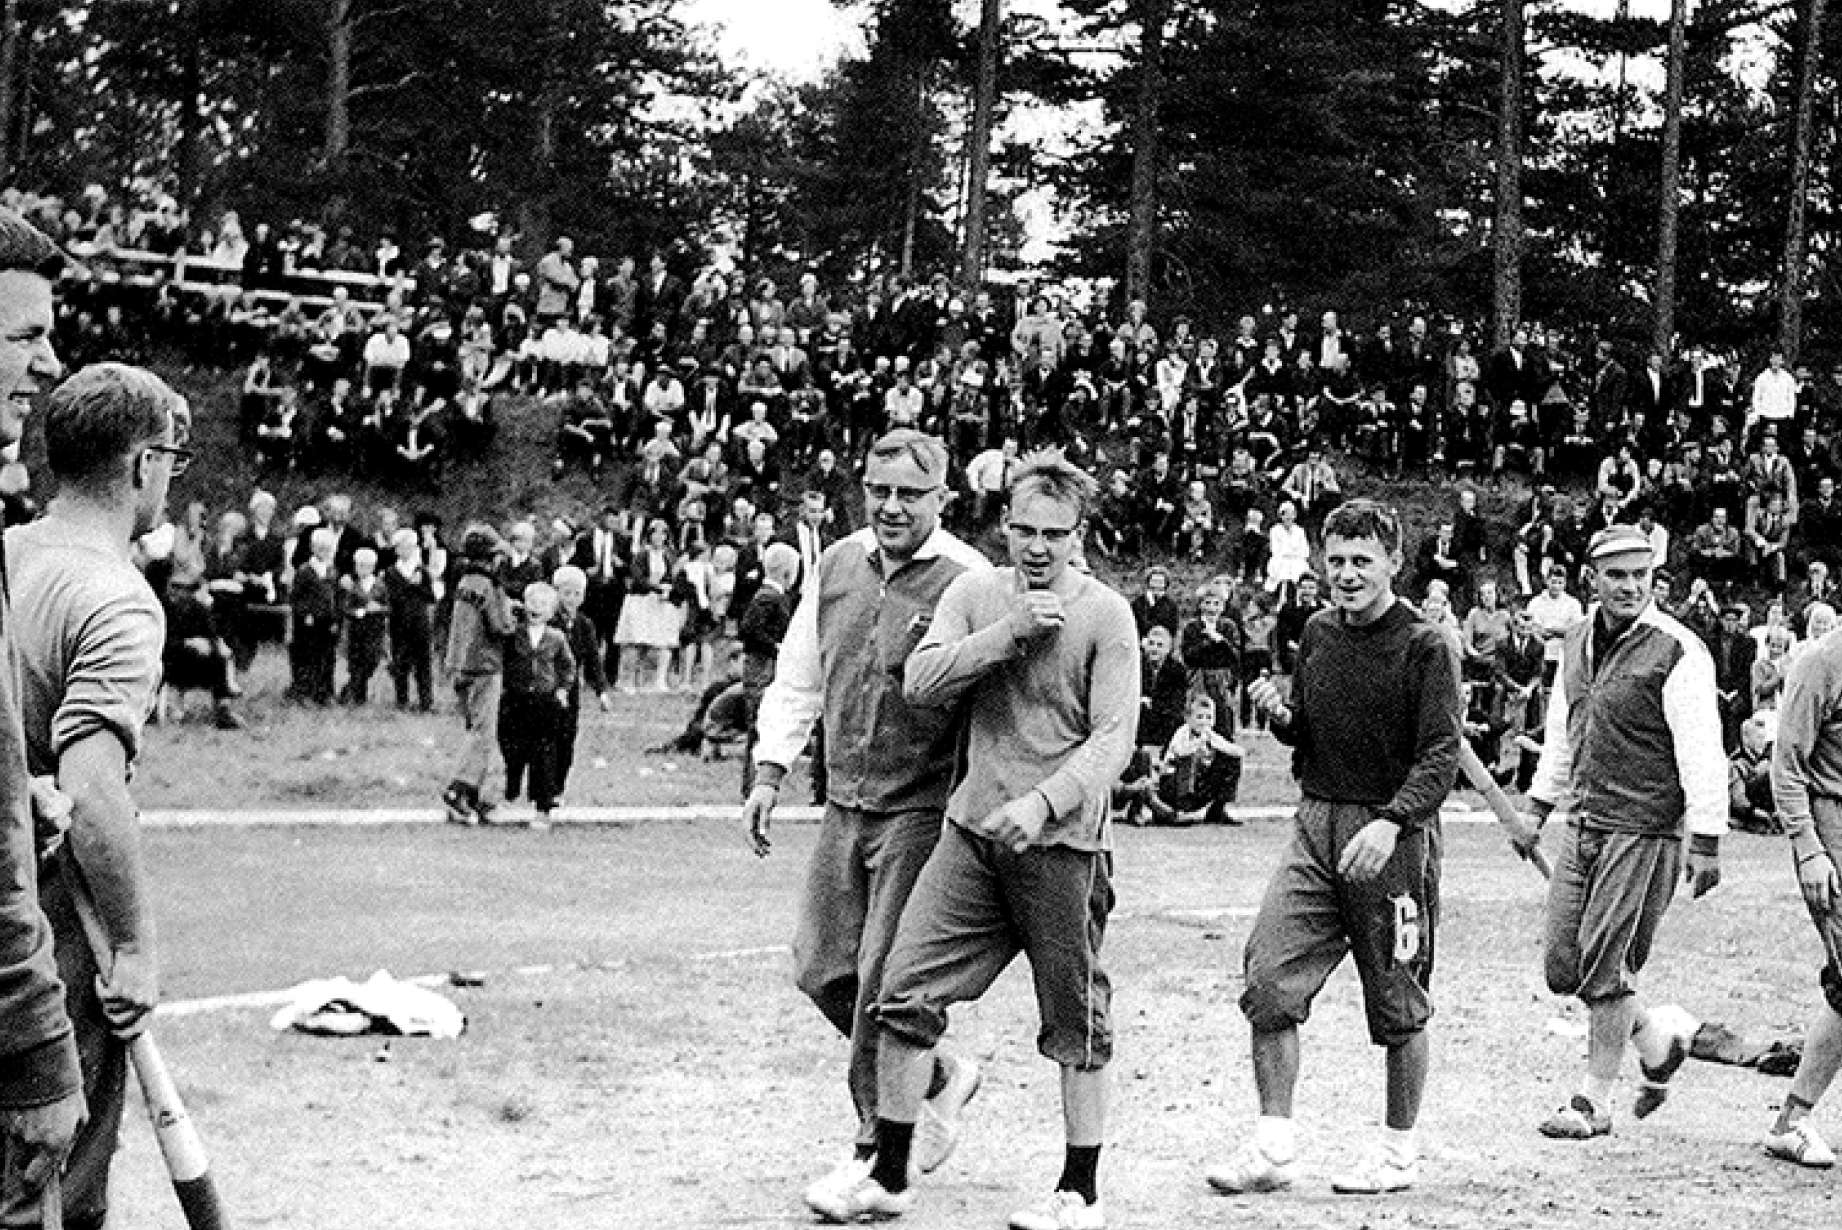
[713, 416]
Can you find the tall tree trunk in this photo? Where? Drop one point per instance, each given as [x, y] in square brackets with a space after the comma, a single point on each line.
[9, 88]
[534, 210]
[191, 124]
[917, 160]
[1142, 221]
[337, 136]
[978, 143]
[1506, 240]
[1669, 207]
[1791, 281]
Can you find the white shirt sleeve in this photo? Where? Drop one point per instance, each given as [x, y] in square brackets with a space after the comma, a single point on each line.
[1555, 769]
[796, 698]
[1692, 709]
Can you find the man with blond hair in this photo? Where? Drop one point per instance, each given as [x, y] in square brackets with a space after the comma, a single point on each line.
[1044, 661]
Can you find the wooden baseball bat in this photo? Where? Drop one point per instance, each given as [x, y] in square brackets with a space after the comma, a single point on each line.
[1505, 811]
[187, 1164]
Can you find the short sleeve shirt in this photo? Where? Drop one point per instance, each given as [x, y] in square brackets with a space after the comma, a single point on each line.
[89, 639]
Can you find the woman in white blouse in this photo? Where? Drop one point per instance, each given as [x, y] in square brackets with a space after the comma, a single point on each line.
[1290, 556]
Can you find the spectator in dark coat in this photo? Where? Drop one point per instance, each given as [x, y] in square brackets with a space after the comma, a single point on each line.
[584, 640]
[1155, 606]
[314, 600]
[410, 595]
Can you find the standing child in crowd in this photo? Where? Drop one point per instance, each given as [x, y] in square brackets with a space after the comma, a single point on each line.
[540, 673]
[1198, 529]
[583, 638]
[364, 602]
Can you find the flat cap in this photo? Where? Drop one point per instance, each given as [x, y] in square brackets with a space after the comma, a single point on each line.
[1617, 540]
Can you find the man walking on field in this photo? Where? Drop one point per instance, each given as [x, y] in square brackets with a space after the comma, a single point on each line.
[1374, 726]
[1807, 784]
[1045, 659]
[889, 762]
[1633, 753]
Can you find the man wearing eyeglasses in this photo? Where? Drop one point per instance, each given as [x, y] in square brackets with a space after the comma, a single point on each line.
[889, 766]
[91, 633]
[41, 1092]
[1044, 661]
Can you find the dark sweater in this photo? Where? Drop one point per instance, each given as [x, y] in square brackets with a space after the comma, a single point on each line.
[1376, 715]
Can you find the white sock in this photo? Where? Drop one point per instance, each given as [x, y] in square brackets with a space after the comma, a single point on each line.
[1598, 1092]
[1276, 1138]
[1400, 1143]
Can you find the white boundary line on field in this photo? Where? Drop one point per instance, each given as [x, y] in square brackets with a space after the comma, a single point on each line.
[356, 817]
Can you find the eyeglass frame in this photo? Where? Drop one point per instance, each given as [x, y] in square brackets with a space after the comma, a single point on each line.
[181, 455]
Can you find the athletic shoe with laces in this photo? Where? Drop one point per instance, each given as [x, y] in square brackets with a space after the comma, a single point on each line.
[1578, 1120]
[1376, 1174]
[836, 1184]
[1061, 1211]
[1251, 1170]
[848, 1194]
[1663, 1037]
[937, 1132]
[1800, 1143]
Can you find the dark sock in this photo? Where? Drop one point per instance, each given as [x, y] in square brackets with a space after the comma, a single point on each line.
[892, 1144]
[1081, 1172]
[862, 1151]
[937, 1081]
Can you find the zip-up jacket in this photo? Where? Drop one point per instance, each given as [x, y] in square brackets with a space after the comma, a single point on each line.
[1633, 743]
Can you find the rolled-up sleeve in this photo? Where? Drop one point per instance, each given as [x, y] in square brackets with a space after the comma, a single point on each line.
[113, 675]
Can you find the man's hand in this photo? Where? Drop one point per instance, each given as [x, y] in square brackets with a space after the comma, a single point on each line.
[1036, 613]
[1369, 851]
[43, 1136]
[1265, 696]
[1816, 878]
[130, 992]
[1528, 840]
[51, 810]
[1702, 873]
[1018, 823]
[758, 815]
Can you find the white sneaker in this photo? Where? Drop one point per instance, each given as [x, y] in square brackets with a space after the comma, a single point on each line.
[1061, 1211]
[1376, 1174]
[836, 1183]
[1800, 1143]
[937, 1132]
[849, 1194]
[1251, 1170]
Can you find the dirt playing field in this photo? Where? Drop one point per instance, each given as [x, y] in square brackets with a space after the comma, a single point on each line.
[661, 1071]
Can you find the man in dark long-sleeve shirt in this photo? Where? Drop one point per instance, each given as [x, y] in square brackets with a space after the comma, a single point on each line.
[41, 1094]
[1374, 726]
